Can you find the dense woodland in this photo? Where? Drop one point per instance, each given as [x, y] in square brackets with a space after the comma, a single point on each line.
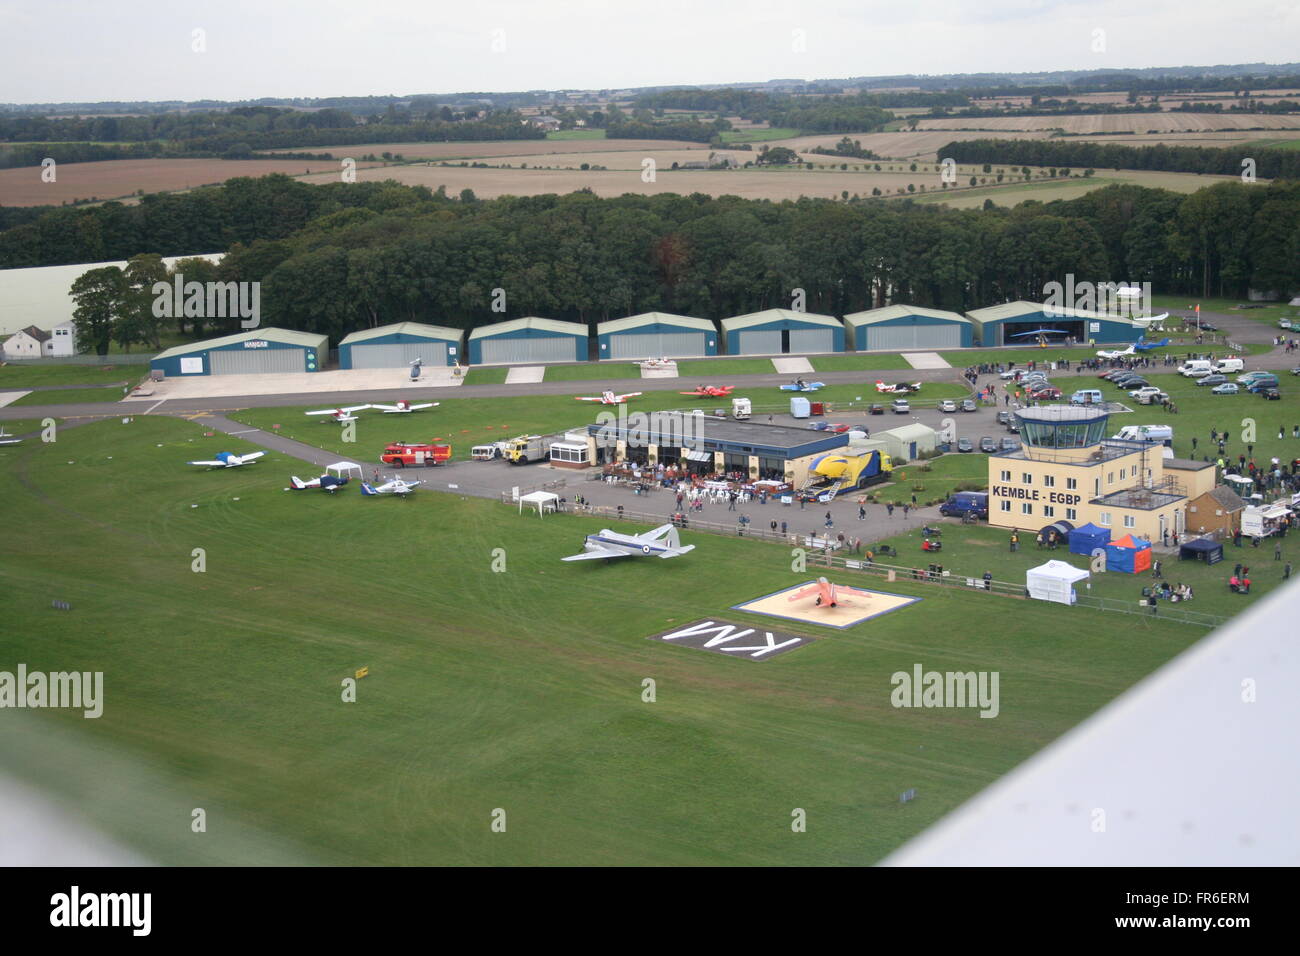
[1269, 163]
[339, 257]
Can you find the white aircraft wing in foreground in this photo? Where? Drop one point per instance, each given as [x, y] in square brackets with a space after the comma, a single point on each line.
[404, 407]
[662, 542]
[340, 414]
[395, 486]
[225, 459]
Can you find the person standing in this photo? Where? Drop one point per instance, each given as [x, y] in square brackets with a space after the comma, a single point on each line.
[890, 508]
[1015, 541]
[906, 508]
[1277, 550]
[862, 512]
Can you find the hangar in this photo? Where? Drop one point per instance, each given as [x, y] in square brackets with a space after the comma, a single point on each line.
[782, 332]
[246, 353]
[908, 327]
[400, 344]
[1014, 322]
[529, 339]
[656, 335]
[908, 442]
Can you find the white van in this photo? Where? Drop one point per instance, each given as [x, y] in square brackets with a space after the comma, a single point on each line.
[1229, 365]
[1160, 433]
[1195, 368]
[1087, 396]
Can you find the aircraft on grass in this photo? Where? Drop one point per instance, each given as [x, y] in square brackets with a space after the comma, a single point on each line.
[8, 439]
[898, 388]
[799, 385]
[711, 391]
[1144, 346]
[662, 542]
[1117, 353]
[402, 407]
[225, 459]
[341, 415]
[328, 483]
[607, 398]
[394, 486]
[828, 594]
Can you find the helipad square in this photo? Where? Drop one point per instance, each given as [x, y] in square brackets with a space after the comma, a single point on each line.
[860, 605]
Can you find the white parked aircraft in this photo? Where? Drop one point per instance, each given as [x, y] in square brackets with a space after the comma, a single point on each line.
[341, 414]
[225, 459]
[8, 439]
[330, 483]
[394, 486]
[1117, 353]
[403, 407]
[608, 398]
[662, 542]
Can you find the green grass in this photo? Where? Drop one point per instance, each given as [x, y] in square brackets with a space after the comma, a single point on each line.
[490, 375]
[13, 377]
[970, 550]
[518, 690]
[756, 135]
[590, 371]
[859, 361]
[694, 368]
[1267, 312]
[67, 396]
[967, 357]
[1293, 143]
[563, 134]
[945, 474]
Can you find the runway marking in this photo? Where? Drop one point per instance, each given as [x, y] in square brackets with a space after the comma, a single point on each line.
[246, 431]
[155, 405]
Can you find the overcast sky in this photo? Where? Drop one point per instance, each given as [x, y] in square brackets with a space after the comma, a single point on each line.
[89, 50]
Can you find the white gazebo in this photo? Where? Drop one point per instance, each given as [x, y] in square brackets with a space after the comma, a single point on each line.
[543, 499]
[345, 469]
[1054, 581]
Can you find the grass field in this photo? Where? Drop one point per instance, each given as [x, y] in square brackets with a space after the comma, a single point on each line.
[31, 376]
[519, 690]
[591, 370]
[563, 135]
[694, 368]
[946, 472]
[757, 135]
[490, 375]
[1267, 312]
[65, 396]
[859, 361]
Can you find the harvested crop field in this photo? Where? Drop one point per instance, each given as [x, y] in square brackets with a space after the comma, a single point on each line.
[119, 178]
[904, 144]
[1106, 123]
[495, 148]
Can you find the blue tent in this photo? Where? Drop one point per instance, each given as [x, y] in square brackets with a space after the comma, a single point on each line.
[1130, 555]
[1088, 537]
[1201, 549]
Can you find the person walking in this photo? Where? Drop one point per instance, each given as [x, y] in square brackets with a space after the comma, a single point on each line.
[1286, 571]
[731, 501]
[862, 512]
[1277, 550]
[890, 508]
[1015, 541]
[783, 528]
[829, 523]
[906, 508]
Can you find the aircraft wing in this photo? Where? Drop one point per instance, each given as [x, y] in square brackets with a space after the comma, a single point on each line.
[676, 551]
[322, 411]
[805, 592]
[355, 408]
[592, 555]
[588, 398]
[624, 398]
[251, 456]
[387, 408]
[210, 464]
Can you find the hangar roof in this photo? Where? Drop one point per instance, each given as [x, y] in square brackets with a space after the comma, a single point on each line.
[284, 336]
[1012, 311]
[652, 318]
[404, 328]
[901, 311]
[777, 315]
[530, 322]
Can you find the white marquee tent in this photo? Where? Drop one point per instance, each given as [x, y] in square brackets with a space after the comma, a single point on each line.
[344, 469]
[1054, 581]
[543, 499]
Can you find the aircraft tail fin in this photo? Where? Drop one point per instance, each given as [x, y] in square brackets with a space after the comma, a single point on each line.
[297, 482]
[366, 489]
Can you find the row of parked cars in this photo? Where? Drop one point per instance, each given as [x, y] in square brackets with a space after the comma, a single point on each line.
[1215, 377]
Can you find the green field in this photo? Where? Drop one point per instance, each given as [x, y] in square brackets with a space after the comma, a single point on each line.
[490, 375]
[756, 135]
[519, 690]
[591, 371]
[695, 368]
[859, 361]
[66, 396]
[563, 134]
[944, 475]
[13, 377]
[1265, 312]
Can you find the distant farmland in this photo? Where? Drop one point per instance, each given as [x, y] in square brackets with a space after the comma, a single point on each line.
[494, 148]
[1115, 122]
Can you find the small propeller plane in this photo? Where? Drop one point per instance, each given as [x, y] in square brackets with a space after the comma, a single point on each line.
[225, 459]
[799, 385]
[828, 594]
[711, 391]
[394, 486]
[1146, 346]
[341, 415]
[1117, 353]
[898, 388]
[329, 483]
[403, 407]
[607, 398]
[662, 542]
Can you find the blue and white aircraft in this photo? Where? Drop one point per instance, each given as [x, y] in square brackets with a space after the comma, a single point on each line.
[799, 385]
[662, 542]
[225, 459]
[394, 486]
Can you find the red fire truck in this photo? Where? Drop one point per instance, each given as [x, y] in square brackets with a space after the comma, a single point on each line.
[402, 453]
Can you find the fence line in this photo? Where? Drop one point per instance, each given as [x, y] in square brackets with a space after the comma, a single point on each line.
[822, 557]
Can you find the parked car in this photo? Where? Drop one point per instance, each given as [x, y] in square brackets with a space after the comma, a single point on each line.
[1248, 377]
[1215, 379]
[1152, 398]
[1046, 393]
[876, 410]
[899, 406]
[1270, 393]
[1296, 370]
[1013, 426]
[1144, 391]
[964, 444]
[1132, 383]
[1227, 388]
[1004, 417]
[1259, 384]
[1207, 327]
[988, 445]
[1009, 445]
[1284, 323]
[968, 405]
[947, 405]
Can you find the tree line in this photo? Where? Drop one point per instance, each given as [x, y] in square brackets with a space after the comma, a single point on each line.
[1268, 163]
[335, 258]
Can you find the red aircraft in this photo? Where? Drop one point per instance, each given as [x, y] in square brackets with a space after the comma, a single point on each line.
[712, 391]
[828, 594]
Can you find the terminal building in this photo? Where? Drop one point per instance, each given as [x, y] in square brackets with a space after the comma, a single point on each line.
[708, 445]
[1068, 471]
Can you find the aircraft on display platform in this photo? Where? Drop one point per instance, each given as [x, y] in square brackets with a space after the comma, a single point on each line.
[403, 407]
[1117, 353]
[225, 459]
[341, 415]
[662, 542]
[394, 486]
[1019, 335]
[330, 483]
[799, 385]
[711, 391]
[607, 398]
[828, 594]
[1144, 346]
[898, 388]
